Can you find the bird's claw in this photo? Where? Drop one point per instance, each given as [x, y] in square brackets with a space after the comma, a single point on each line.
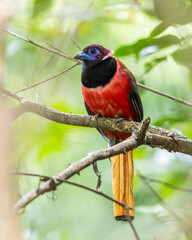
[120, 120]
[97, 116]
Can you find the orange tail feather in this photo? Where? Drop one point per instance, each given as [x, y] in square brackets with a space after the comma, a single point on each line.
[123, 184]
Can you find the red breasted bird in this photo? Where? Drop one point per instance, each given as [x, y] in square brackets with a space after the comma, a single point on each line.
[109, 89]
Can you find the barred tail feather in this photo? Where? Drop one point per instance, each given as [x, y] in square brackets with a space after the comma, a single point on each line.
[123, 184]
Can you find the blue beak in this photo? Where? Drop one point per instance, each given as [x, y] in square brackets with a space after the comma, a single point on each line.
[83, 56]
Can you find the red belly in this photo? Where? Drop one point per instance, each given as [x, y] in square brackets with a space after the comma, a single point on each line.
[112, 101]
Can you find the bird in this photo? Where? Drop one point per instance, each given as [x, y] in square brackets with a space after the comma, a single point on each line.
[110, 90]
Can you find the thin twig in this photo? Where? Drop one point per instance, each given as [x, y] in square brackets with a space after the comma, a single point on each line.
[133, 228]
[75, 43]
[141, 133]
[162, 202]
[48, 79]
[41, 46]
[45, 178]
[11, 94]
[165, 95]
[33, 90]
[170, 185]
[96, 171]
[57, 49]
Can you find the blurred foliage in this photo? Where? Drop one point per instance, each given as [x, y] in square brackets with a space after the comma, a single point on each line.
[153, 38]
[154, 44]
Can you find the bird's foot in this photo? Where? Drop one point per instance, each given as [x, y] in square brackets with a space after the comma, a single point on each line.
[112, 141]
[120, 120]
[97, 116]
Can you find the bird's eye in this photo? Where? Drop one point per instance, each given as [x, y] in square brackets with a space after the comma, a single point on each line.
[93, 51]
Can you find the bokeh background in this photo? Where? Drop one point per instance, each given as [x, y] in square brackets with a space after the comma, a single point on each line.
[154, 40]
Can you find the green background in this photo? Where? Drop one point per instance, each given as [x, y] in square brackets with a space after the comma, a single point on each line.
[153, 39]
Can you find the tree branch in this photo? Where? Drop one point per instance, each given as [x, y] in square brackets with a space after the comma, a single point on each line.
[155, 136]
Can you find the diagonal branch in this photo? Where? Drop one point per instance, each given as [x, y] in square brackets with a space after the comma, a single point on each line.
[62, 54]
[45, 178]
[46, 80]
[163, 203]
[179, 100]
[167, 184]
[73, 169]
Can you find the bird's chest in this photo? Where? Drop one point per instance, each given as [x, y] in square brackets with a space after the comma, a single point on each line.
[110, 100]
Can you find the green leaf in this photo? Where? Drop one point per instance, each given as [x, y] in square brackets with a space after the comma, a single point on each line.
[136, 48]
[40, 6]
[150, 65]
[184, 57]
[159, 29]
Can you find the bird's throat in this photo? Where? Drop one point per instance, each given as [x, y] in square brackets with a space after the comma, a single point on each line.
[99, 74]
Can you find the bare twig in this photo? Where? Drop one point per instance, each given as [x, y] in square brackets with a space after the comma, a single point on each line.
[33, 90]
[45, 178]
[141, 133]
[96, 171]
[162, 202]
[75, 43]
[46, 80]
[41, 46]
[165, 95]
[11, 94]
[133, 228]
[57, 49]
[170, 185]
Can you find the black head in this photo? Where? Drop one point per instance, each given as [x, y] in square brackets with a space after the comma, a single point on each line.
[93, 54]
[98, 65]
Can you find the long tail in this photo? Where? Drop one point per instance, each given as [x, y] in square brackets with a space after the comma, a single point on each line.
[123, 184]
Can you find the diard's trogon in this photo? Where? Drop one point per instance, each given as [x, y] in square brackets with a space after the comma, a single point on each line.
[110, 89]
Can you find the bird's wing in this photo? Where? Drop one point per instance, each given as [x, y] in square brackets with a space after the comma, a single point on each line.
[93, 114]
[133, 94]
